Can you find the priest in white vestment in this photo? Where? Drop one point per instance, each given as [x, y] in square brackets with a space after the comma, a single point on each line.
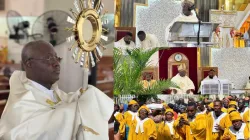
[211, 76]
[217, 38]
[248, 85]
[125, 43]
[247, 38]
[148, 41]
[38, 110]
[187, 15]
[185, 84]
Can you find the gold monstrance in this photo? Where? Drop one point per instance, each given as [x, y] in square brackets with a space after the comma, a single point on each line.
[85, 51]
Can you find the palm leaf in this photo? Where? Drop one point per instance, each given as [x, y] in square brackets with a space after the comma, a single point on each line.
[159, 87]
[128, 71]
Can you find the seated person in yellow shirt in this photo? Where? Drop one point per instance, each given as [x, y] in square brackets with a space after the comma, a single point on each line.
[239, 130]
[149, 81]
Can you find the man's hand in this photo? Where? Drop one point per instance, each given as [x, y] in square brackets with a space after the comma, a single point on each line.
[181, 123]
[175, 91]
[218, 127]
[185, 122]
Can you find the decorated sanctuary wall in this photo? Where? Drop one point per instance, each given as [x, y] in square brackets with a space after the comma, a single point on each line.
[233, 64]
[155, 17]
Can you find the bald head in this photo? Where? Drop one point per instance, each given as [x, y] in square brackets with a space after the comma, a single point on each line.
[32, 48]
[41, 63]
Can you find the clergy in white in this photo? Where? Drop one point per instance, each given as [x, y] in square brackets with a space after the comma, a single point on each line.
[38, 110]
[211, 76]
[248, 84]
[217, 38]
[187, 15]
[185, 84]
[148, 41]
[125, 43]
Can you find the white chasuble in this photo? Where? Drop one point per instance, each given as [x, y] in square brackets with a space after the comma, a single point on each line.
[184, 84]
[31, 115]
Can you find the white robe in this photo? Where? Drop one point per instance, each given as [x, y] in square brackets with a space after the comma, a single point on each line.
[184, 83]
[183, 18]
[218, 40]
[247, 39]
[29, 116]
[121, 44]
[151, 41]
[248, 86]
[207, 78]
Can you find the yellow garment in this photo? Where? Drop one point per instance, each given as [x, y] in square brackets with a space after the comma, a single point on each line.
[196, 130]
[246, 116]
[149, 131]
[147, 84]
[143, 107]
[132, 102]
[164, 132]
[233, 103]
[224, 123]
[211, 105]
[119, 117]
[231, 133]
[235, 116]
[230, 110]
[129, 116]
[224, 110]
[165, 105]
[169, 110]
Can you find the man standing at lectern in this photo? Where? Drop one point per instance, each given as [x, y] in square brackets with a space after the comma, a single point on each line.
[186, 86]
[211, 76]
[187, 15]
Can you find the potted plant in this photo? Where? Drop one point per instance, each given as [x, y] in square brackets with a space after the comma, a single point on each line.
[128, 71]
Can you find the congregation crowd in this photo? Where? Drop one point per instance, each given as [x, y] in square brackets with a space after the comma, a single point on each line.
[226, 119]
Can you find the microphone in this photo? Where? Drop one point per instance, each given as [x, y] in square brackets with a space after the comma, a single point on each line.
[191, 8]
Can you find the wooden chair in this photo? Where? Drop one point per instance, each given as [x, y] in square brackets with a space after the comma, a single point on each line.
[120, 32]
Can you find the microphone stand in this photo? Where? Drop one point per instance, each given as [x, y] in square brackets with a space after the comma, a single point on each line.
[199, 21]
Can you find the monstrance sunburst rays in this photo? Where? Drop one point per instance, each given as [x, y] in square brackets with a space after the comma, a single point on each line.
[85, 51]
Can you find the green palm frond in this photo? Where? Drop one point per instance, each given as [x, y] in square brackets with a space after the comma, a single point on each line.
[128, 71]
[160, 86]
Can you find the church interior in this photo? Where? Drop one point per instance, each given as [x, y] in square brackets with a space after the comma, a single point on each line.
[33, 14]
[230, 64]
[226, 22]
[232, 17]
